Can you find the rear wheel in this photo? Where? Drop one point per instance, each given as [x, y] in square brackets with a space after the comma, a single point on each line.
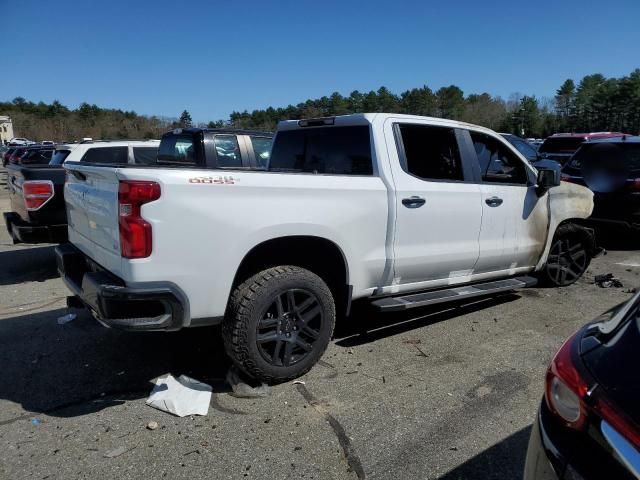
[568, 257]
[279, 323]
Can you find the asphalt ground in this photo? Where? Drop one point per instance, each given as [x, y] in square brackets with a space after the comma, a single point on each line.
[437, 393]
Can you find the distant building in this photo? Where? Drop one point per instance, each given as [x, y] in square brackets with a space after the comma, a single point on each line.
[6, 129]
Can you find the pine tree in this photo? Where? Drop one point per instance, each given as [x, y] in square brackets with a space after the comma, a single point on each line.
[185, 120]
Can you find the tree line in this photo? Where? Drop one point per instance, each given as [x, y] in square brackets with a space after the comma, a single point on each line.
[595, 103]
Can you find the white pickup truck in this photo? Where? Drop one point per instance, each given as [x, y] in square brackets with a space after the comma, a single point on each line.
[402, 210]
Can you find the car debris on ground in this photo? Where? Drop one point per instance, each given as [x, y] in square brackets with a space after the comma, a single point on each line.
[607, 280]
[180, 396]
[242, 389]
[69, 317]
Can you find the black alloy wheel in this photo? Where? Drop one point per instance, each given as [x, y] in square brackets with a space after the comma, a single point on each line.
[568, 260]
[290, 327]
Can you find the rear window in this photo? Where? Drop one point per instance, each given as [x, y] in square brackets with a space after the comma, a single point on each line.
[328, 150]
[145, 155]
[622, 155]
[59, 156]
[177, 149]
[106, 155]
[227, 151]
[561, 145]
[38, 157]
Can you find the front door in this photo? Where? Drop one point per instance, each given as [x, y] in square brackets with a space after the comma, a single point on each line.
[514, 217]
[438, 210]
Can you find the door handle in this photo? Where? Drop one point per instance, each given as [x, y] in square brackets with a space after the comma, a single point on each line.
[493, 201]
[413, 202]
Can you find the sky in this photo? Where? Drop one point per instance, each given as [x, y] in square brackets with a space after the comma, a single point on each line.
[213, 57]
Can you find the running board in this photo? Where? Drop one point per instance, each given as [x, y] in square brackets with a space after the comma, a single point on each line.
[394, 304]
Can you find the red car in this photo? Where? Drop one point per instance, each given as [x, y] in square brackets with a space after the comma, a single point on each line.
[561, 146]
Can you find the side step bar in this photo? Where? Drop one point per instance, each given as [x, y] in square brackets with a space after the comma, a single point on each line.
[394, 304]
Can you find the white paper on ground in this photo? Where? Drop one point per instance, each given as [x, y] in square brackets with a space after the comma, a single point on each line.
[181, 396]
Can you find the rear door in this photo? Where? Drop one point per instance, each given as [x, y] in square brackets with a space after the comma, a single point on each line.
[514, 217]
[438, 211]
[91, 195]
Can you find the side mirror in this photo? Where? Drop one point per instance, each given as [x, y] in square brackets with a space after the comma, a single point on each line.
[548, 175]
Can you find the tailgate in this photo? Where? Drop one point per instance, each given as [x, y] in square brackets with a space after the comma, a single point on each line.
[91, 195]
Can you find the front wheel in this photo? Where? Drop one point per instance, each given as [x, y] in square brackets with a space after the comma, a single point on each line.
[279, 323]
[568, 257]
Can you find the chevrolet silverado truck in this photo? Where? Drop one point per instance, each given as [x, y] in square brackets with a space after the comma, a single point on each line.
[403, 211]
[36, 188]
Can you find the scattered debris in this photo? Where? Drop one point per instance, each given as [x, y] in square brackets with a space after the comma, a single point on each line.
[69, 317]
[180, 396]
[116, 452]
[630, 290]
[411, 341]
[421, 352]
[241, 389]
[36, 421]
[152, 425]
[607, 280]
[455, 449]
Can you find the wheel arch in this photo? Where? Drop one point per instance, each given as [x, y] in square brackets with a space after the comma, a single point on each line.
[317, 254]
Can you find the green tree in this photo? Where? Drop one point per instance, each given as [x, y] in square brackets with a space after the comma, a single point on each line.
[185, 120]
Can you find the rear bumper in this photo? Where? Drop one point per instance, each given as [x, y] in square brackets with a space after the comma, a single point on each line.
[23, 232]
[556, 452]
[151, 306]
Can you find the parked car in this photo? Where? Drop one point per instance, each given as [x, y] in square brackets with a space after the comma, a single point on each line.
[561, 146]
[523, 146]
[36, 190]
[20, 141]
[588, 424]
[611, 169]
[404, 211]
[6, 155]
[17, 154]
[40, 155]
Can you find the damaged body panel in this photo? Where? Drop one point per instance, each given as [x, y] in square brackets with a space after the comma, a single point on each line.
[567, 202]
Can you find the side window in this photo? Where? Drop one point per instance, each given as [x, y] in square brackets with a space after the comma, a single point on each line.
[497, 163]
[227, 151]
[431, 152]
[262, 150]
[145, 155]
[106, 155]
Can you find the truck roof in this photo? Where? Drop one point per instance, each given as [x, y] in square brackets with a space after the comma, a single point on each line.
[234, 131]
[367, 118]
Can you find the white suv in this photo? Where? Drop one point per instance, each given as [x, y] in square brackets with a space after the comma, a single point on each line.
[141, 152]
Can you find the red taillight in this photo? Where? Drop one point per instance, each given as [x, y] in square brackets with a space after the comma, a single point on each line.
[135, 231]
[635, 184]
[566, 394]
[565, 388]
[36, 193]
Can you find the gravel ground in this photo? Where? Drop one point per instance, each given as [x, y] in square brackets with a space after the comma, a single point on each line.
[446, 392]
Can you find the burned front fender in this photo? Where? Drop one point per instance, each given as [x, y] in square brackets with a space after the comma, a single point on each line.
[567, 202]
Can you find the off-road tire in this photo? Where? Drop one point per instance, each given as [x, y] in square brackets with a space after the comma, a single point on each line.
[555, 274]
[247, 308]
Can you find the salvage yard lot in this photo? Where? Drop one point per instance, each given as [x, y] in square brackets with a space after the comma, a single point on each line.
[445, 392]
